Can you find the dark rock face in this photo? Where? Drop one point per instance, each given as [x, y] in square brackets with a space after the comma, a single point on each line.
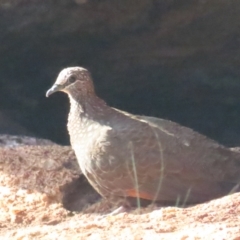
[173, 59]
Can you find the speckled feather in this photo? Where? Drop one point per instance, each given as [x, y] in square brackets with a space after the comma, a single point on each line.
[127, 155]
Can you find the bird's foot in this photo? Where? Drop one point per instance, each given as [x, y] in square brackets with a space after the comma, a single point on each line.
[121, 209]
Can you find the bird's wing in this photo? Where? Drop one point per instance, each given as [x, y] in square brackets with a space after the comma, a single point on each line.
[201, 154]
[176, 149]
[175, 129]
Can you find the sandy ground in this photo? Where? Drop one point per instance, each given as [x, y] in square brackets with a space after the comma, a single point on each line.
[38, 183]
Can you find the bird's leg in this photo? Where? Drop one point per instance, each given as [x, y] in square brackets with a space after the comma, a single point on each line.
[126, 204]
[123, 205]
[121, 209]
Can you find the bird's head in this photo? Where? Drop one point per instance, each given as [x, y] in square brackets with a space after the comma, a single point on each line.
[75, 81]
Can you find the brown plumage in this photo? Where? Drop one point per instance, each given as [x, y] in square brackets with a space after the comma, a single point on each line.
[125, 155]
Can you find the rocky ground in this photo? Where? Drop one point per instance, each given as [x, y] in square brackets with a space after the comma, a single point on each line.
[44, 196]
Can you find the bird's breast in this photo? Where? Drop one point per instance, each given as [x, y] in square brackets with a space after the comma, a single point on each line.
[89, 141]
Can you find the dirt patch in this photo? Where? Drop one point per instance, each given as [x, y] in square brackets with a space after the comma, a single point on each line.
[39, 183]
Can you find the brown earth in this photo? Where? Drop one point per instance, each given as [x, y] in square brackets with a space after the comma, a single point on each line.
[38, 183]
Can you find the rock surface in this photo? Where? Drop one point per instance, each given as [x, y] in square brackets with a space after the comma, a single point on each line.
[8, 126]
[9, 141]
[172, 59]
[31, 182]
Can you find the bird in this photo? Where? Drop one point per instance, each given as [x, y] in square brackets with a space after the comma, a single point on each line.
[132, 156]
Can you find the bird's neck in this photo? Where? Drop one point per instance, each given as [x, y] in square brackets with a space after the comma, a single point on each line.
[90, 107]
[87, 117]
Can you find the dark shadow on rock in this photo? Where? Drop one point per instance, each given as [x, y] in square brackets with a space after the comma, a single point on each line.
[79, 194]
[9, 126]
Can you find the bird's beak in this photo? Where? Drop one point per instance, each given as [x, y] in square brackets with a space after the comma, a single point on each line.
[53, 89]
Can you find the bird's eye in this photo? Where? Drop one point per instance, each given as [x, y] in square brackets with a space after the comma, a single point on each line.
[72, 79]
